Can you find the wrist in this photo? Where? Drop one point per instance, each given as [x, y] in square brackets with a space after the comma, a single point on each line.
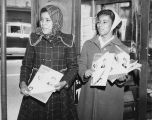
[66, 84]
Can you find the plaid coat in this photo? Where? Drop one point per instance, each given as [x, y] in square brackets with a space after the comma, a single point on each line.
[58, 53]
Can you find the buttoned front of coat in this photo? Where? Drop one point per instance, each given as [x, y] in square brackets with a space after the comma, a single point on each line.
[59, 55]
[99, 103]
[52, 53]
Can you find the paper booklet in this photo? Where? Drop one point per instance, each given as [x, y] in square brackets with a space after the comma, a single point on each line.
[42, 85]
[101, 67]
[149, 91]
[111, 66]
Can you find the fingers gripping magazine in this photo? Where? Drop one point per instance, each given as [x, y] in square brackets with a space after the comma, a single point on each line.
[42, 85]
[111, 66]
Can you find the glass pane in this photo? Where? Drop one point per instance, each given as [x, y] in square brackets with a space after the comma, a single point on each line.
[26, 30]
[15, 29]
[9, 29]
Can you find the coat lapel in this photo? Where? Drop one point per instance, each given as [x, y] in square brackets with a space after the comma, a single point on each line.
[96, 42]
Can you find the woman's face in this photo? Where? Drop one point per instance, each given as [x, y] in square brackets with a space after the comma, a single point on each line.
[46, 23]
[104, 25]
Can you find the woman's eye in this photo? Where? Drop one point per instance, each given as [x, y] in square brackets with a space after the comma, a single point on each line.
[45, 20]
[48, 20]
[99, 23]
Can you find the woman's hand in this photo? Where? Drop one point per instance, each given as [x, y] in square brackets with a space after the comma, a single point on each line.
[88, 73]
[24, 89]
[60, 85]
[126, 78]
[123, 78]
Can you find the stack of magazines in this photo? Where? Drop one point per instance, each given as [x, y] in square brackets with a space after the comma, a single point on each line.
[111, 66]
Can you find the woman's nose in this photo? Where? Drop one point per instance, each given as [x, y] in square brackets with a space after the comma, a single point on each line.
[43, 22]
[99, 25]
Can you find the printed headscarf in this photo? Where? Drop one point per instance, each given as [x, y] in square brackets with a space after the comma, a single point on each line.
[56, 16]
[57, 19]
[56, 35]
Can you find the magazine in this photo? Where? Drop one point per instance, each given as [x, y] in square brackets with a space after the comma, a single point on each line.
[42, 85]
[111, 66]
[101, 67]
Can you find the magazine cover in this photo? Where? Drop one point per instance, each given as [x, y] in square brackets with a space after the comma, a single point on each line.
[111, 66]
[42, 85]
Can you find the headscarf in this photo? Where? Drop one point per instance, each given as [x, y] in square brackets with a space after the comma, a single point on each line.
[56, 16]
[116, 21]
[57, 19]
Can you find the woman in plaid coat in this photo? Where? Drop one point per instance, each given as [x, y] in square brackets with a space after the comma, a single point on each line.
[52, 48]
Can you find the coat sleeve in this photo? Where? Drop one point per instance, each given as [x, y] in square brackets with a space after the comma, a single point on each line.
[72, 66]
[83, 62]
[27, 64]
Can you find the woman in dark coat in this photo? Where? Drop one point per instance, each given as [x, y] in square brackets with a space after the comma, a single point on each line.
[101, 103]
[54, 49]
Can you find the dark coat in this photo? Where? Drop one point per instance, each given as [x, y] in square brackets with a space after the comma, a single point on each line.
[58, 53]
